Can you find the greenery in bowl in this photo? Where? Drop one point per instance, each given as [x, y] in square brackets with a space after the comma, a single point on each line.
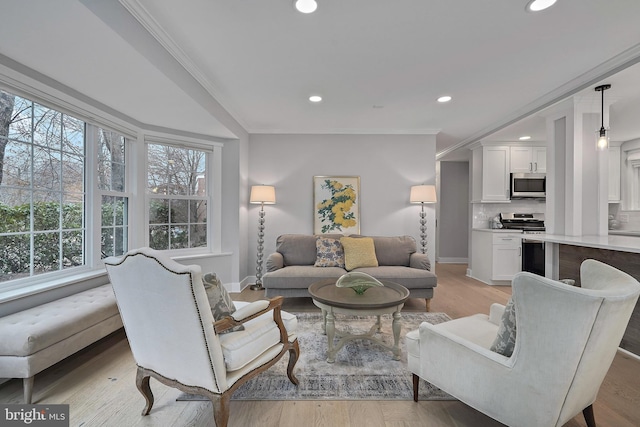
[358, 281]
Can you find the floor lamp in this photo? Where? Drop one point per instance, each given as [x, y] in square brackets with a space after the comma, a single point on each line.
[262, 195]
[423, 194]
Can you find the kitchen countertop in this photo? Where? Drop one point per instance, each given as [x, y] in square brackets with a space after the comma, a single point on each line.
[623, 243]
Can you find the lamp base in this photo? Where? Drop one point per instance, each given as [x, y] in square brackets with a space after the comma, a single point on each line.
[256, 287]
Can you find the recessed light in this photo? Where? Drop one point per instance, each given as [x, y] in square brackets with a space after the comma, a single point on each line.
[524, 138]
[315, 98]
[538, 5]
[306, 6]
[445, 98]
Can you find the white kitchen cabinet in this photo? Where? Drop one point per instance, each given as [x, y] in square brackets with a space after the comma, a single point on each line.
[507, 256]
[614, 175]
[491, 174]
[539, 157]
[528, 160]
[496, 256]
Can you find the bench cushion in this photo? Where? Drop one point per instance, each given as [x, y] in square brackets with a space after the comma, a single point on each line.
[29, 331]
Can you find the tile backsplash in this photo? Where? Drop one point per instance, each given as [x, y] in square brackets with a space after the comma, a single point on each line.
[483, 213]
[626, 220]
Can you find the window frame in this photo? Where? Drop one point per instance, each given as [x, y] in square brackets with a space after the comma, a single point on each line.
[94, 220]
[135, 158]
[62, 273]
[213, 176]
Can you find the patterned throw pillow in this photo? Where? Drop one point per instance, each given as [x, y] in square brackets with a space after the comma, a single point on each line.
[329, 252]
[359, 252]
[219, 299]
[505, 341]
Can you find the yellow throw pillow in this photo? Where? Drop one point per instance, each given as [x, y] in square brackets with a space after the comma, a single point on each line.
[359, 252]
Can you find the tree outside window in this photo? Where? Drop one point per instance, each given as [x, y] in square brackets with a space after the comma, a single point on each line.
[177, 197]
[42, 195]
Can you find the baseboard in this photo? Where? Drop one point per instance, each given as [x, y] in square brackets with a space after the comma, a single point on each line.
[246, 282]
[491, 282]
[453, 260]
[628, 353]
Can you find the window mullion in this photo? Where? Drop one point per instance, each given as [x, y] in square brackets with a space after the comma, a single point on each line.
[92, 197]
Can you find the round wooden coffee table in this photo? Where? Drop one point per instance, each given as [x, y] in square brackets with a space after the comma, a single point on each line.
[376, 301]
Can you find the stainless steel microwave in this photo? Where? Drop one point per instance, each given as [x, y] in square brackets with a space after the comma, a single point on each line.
[528, 185]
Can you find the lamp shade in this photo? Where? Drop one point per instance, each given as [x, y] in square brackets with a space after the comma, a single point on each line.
[263, 194]
[423, 194]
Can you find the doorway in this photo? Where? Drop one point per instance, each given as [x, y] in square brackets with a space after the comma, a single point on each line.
[453, 223]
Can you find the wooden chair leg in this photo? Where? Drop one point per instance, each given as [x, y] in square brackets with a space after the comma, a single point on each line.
[27, 389]
[221, 408]
[416, 383]
[428, 303]
[294, 353]
[588, 416]
[142, 382]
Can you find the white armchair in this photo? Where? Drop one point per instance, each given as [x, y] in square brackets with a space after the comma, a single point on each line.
[174, 339]
[565, 342]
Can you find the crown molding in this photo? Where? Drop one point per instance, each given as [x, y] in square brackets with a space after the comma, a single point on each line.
[142, 15]
[345, 132]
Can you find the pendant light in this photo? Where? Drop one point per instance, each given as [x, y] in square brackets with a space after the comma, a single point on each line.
[603, 141]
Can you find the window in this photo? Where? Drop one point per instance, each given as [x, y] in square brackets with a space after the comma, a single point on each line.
[66, 200]
[111, 183]
[42, 194]
[177, 197]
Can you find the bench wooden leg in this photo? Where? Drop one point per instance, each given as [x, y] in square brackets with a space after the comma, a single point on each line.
[27, 386]
[428, 303]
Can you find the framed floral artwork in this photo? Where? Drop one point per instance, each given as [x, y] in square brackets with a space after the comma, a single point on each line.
[336, 204]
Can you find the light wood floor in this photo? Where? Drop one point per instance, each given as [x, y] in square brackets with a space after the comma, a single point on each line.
[99, 383]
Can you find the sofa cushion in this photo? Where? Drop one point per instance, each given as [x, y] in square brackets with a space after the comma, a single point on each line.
[505, 340]
[329, 252]
[299, 249]
[219, 300]
[392, 250]
[216, 290]
[300, 276]
[476, 328]
[410, 278]
[359, 252]
[262, 332]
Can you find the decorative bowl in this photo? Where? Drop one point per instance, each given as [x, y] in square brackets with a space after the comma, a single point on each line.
[358, 281]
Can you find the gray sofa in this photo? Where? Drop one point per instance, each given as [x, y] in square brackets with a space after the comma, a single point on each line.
[290, 270]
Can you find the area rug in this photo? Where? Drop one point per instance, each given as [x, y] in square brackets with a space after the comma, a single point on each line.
[363, 370]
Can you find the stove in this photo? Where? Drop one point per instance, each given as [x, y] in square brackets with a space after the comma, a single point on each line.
[533, 257]
[529, 223]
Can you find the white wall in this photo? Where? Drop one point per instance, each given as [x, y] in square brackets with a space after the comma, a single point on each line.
[388, 165]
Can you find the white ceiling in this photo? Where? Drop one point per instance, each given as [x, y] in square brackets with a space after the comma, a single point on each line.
[379, 64]
[623, 98]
